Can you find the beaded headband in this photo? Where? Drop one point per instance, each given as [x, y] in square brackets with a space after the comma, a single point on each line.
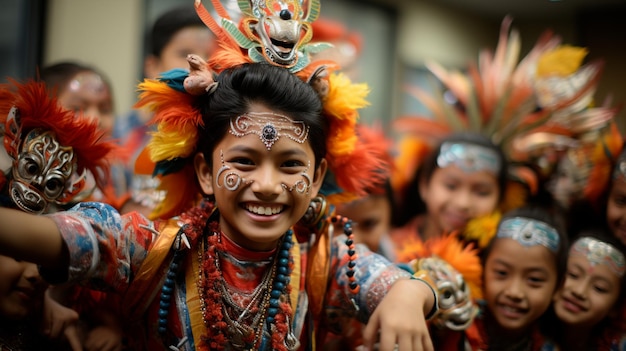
[529, 232]
[469, 157]
[598, 252]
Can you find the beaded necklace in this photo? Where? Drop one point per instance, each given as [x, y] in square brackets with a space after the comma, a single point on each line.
[274, 310]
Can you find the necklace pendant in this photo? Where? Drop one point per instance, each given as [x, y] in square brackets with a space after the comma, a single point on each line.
[238, 335]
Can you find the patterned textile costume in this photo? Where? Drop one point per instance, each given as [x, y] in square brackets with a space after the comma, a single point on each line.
[185, 285]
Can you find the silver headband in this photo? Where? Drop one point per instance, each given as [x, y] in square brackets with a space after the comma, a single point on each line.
[529, 232]
[599, 252]
[469, 157]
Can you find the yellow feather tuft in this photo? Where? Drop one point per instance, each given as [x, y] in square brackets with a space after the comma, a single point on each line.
[168, 143]
[482, 229]
[515, 196]
[563, 61]
[344, 97]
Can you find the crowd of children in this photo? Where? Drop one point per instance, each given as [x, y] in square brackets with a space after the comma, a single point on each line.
[497, 223]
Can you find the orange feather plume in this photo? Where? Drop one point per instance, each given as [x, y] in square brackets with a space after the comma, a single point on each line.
[452, 250]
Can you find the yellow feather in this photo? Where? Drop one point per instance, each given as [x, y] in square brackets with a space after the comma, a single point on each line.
[170, 144]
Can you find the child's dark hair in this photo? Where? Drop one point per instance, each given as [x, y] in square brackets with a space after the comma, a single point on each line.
[272, 86]
[168, 24]
[413, 204]
[58, 75]
[548, 215]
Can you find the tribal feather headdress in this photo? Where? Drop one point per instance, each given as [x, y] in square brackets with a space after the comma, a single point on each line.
[533, 107]
[51, 149]
[271, 31]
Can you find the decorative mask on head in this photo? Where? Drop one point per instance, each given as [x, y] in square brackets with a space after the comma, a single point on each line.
[598, 252]
[469, 157]
[273, 31]
[51, 149]
[456, 309]
[529, 232]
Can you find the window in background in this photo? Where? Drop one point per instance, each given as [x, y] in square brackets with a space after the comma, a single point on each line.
[21, 38]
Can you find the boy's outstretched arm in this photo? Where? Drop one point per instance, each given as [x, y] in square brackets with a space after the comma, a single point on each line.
[31, 238]
[400, 318]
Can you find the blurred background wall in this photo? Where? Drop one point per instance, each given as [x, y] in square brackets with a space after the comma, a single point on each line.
[399, 35]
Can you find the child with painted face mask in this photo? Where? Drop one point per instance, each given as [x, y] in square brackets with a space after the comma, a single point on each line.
[524, 265]
[462, 178]
[589, 302]
[247, 265]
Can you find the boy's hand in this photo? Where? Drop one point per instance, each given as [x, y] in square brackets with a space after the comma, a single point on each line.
[59, 320]
[104, 338]
[400, 318]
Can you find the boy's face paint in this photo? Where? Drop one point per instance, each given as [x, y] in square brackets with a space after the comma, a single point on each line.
[261, 192]
[21, 289]
[616, 209]
[453, 197]
[590, 291]
[519, 283]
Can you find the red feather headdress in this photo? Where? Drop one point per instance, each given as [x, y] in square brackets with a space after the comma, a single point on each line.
[39, 110]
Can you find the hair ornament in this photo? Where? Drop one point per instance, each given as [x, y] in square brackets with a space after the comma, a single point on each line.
[276, 32]
[269, 127]
[469, 157]
[168, 153]
[529, 232]
[599, 252]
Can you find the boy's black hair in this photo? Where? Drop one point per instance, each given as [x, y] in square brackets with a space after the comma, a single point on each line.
[274, 87]
[58, 75]
[168, 24]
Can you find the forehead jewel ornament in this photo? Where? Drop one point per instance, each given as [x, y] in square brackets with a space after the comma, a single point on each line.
[598, 252]
[469, 157]
[529, 232]
[269, 127]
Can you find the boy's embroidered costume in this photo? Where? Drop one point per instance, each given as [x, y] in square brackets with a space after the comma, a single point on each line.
[185, 285]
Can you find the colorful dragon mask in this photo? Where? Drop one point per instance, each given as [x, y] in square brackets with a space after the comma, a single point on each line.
[52, 151]
[273, 31]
